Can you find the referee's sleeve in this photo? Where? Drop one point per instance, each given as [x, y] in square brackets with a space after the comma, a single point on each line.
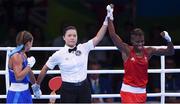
[52, 61]
[89, 45]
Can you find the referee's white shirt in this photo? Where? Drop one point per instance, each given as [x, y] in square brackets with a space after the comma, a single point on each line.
[73, 67]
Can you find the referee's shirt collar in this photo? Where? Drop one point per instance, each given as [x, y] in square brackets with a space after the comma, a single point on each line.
[67, 47]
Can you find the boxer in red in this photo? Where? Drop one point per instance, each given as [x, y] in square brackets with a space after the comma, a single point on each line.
[135, 60]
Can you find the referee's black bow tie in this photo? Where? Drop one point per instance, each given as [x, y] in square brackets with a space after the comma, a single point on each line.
[71, 50]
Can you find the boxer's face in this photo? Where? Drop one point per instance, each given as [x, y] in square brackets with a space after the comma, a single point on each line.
[137, 41]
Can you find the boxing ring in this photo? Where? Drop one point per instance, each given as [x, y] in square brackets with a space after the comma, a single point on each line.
[162, 71]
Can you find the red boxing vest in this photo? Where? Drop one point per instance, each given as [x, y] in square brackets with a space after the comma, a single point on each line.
[135, 67]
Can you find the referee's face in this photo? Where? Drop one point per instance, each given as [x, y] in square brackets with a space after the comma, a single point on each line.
[70, 37]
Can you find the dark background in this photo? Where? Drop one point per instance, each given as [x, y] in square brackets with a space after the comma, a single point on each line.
[45, 19]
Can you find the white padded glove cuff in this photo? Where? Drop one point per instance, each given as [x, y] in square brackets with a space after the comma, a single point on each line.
[166, 36]
[31, 61]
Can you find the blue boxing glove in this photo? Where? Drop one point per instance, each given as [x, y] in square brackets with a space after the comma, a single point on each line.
[36, 90]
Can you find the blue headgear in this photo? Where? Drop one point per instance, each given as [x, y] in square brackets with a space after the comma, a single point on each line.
[17, 49]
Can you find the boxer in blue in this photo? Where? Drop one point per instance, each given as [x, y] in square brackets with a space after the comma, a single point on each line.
[20, 73]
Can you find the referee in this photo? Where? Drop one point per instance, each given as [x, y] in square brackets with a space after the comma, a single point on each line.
[72, 60]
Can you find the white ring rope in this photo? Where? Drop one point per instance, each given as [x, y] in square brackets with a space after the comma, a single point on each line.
[57, 48]
[107, 95]
[105, 71]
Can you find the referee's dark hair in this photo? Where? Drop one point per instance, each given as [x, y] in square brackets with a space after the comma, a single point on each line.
[68, 28]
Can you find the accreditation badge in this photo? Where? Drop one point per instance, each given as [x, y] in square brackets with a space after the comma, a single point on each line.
[78, 53]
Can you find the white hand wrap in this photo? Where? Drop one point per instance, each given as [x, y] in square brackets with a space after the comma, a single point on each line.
[36, 90]
[31, 61]
[166, 36]
[110, 12]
